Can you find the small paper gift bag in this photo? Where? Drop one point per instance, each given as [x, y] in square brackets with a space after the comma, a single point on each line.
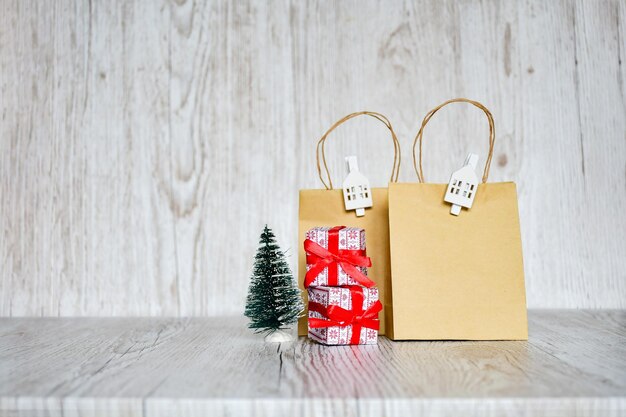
[455, 277]
[344, 315]
[326, 208]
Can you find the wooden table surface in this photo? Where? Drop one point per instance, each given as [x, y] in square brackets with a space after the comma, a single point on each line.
[573, 364]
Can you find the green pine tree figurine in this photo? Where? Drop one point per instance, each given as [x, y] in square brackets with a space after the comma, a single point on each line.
[274, 300]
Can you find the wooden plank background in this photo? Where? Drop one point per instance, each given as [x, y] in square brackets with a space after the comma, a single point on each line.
[143, 145]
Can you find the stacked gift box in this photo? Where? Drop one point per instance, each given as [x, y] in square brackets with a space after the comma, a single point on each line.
[343, 301]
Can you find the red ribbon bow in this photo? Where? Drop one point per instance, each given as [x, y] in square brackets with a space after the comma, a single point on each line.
[320, 258]
[357, 318]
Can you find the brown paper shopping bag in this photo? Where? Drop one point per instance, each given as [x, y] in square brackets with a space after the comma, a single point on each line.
[455, 277]
[326, 208]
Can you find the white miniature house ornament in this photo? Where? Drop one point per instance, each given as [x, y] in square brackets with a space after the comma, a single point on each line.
[357, 195]
[463, 186]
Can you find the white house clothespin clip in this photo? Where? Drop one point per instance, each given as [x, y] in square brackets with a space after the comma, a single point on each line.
[463, 186]
[356, 189]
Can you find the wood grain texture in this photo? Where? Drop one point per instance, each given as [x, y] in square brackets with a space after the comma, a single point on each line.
[143, 145]
[573, 364]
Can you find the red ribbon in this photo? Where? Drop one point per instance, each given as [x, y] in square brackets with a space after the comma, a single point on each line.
[320, 258]
[357, 318]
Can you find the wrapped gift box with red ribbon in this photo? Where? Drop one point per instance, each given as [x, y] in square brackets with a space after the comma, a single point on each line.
[336, 256]
[344, 315]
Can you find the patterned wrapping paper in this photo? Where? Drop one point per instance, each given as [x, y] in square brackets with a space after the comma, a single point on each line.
[352, 238]
[342, 297]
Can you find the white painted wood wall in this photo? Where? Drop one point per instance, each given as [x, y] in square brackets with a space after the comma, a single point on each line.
[143, 145]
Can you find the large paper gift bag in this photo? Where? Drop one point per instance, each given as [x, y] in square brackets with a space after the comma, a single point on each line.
[455, 277]
[326, 208]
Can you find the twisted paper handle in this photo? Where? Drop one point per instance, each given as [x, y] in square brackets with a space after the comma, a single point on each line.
[395, 171]
[430, 114]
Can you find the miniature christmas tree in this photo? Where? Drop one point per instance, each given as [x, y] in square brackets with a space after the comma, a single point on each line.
[274, 300]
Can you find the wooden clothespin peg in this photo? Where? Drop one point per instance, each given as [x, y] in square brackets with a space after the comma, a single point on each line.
[463, 186]
[356, 189]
